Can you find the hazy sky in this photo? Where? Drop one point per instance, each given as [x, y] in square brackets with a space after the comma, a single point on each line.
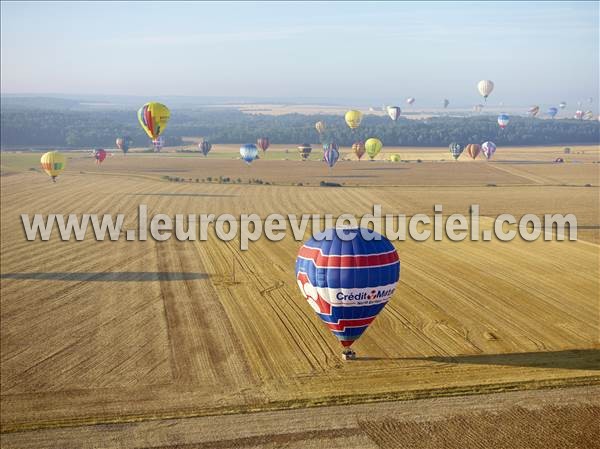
[535, 52]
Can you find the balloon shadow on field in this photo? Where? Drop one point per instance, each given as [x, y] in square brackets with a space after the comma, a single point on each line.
[206, 195]
[582, 359]
[118, 276]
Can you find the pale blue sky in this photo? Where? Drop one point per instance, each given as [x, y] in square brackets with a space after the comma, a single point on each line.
[538, 52]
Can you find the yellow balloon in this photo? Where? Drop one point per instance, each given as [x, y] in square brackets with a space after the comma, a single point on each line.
[53, 163]
[153, 117]
[395, 158]
[353, 118]
[373, 146]
[320, 127]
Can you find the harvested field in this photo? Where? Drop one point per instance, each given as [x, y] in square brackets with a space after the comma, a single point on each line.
[544, 419]
[112, 332]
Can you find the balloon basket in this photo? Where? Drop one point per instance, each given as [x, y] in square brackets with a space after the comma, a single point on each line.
[348, 354]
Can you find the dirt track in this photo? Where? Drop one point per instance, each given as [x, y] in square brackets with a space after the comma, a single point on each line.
[544, 419]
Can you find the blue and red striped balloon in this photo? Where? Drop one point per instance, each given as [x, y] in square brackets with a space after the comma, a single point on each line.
[503, 120]
[347, 276]
[331, 156]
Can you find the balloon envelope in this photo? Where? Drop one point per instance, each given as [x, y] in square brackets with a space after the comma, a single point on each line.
[503, 120]
[552, 112]
[359, 149]
[124, 143]
[373, 146]
[99, 155]
[305, 149]
[533, 111]
[456, 150]
[53, 163]
[331, 156]
[349, 280]
[488, 149]
[263, 143]
[153, 118]
[473, 150]
[205, 147]
[562, 105]
[485, 88]
[410, 100]
[394, 112]
[248, 152]
[353, 118]
[446, 103]
[320, 126]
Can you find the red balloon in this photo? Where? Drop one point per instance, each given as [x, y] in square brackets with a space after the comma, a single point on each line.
[263, 143]
[99, 155]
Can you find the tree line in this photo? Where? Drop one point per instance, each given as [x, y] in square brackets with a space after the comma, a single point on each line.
[87, 129]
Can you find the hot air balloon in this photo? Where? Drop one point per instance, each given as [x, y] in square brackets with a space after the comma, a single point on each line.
[473, 150]
[456, 150]
[331, 156]
[373, 147]
[394, 112]
[578, 114]
[562, 105]
[359, 149]
[446, 103]
[53, 163]
[488, 149]
[485, 88]
[154, 117]
[588, 115]
[158, 143]
[410, 100]
[552, 112]
[124, 143]
[395, 158]
[590, 100]
[533, 111]
[347, 281]
[320, 126]
[205, 147]
[305, 149]
[329, 146]
[503, 120]
[263, 143]
[99, 155]
[353, 118]
[248, 152]
[478, 107]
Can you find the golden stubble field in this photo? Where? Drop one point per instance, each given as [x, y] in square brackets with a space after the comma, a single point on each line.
[107, 332]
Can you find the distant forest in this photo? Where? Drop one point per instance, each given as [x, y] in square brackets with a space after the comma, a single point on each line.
[86, 129]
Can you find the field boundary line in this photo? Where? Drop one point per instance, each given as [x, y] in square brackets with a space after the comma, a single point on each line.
[310, 403]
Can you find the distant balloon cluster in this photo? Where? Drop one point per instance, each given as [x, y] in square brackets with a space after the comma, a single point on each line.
[154, 117]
